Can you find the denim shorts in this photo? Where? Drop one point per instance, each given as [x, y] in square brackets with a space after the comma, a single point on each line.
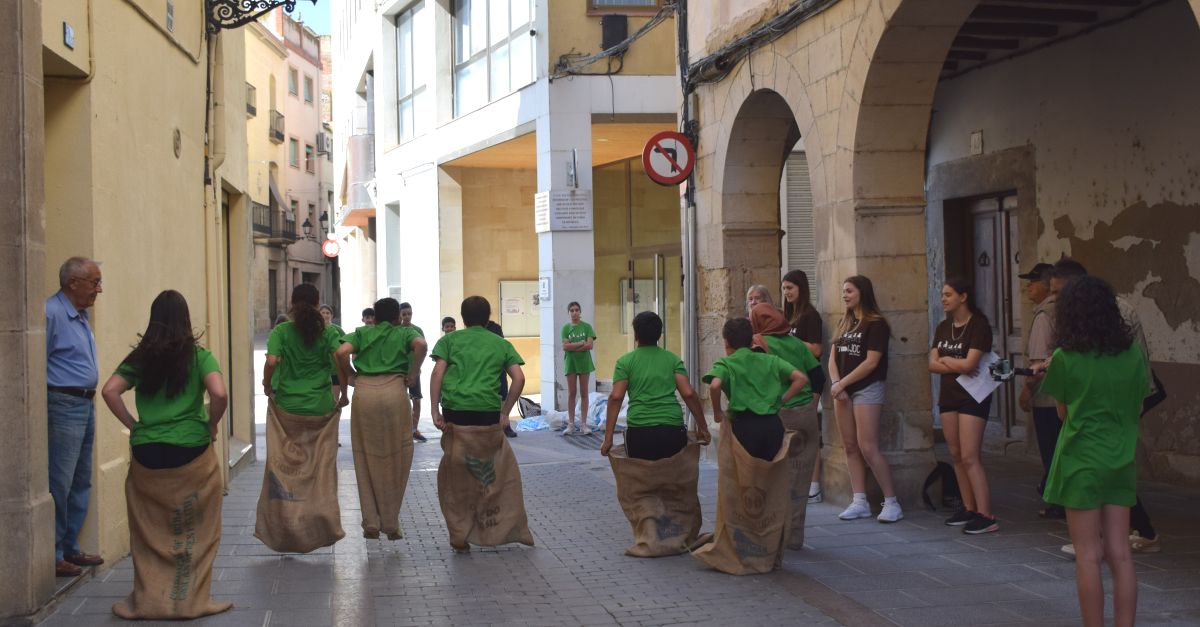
[871, 395]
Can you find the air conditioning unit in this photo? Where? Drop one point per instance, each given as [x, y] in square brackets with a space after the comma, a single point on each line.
[324, 145]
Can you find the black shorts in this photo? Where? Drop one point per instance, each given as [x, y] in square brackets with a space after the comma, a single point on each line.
[414, 391]
[968, 407]
[159, 456]
[655, 442]
[466, 418]
[760, 435]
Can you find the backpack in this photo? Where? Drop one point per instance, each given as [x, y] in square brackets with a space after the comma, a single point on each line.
[528, 408]
[951, 496]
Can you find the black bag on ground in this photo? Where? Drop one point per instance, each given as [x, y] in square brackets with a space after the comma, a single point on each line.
[951, 495]
[528, 408]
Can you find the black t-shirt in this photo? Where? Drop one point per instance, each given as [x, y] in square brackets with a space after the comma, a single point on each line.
[851, 351]
[956, 342]
[808, 327]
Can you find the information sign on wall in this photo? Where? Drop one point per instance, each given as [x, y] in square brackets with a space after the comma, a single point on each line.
[562, 210]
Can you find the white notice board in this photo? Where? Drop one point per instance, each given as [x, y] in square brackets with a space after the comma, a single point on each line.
[518, 308]
[562, 210]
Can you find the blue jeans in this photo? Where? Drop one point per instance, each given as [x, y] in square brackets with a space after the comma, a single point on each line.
[72, 422]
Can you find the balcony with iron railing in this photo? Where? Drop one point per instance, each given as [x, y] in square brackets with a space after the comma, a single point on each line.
[276, 130]
[272, 226]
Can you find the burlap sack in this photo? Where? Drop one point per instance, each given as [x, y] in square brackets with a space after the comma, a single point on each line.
[298, 505]
[752, 509]
[802, 455]
[479, 488]
[381, 439]
[174, 532]
[659, 499]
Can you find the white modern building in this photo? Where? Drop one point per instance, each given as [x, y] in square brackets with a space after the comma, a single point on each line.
[451, 116]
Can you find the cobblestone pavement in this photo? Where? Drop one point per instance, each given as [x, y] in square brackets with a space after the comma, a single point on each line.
[915, 572]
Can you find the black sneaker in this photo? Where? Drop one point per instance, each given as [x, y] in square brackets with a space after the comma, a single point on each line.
[960, 518]
[981, 524]
[509, 433]
[418, 437]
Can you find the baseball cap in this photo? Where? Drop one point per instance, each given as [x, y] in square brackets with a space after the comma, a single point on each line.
[1039, 272]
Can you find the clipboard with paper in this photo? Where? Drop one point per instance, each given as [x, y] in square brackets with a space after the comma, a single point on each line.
[980, 384]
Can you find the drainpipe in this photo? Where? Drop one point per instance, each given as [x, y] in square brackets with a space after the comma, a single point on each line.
[691, 354]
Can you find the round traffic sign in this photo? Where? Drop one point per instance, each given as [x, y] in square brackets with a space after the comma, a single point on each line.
[668, 158]
[331, 248]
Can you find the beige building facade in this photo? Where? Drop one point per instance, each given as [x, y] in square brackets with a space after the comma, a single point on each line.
[956, 138]
[124, 141]
[290, 164]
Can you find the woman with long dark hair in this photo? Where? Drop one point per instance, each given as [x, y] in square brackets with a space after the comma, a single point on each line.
[858, 369]
[175, 474]
[806, 326]
[1097, 376]
[959, 343]
[303, 414]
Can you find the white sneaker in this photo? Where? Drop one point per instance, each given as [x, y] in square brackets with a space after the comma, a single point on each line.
[857, 509]
[1069, 549]
[584, 429]
[817, 497]
[891, 513]
[569, 429]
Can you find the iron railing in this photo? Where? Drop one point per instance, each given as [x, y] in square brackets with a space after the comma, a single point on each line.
[276, 130]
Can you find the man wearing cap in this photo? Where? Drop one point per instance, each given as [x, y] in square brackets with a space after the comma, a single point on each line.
[1038, 349]
[71, 376]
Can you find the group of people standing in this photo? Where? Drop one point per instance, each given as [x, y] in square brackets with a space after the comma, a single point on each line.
[1088, 355]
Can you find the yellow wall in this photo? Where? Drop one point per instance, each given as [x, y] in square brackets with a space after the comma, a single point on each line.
[572, 30]
[58, 59]
[264, 57]
[499, 243]
[654, 213]
[116, 191]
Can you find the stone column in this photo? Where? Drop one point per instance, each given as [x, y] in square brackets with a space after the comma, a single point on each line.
[26, 510]
[566, 258]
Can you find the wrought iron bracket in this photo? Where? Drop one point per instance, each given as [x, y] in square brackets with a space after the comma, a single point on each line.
[223, 14]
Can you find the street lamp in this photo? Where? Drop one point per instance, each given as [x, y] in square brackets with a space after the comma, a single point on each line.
[234, 13]
[307, 226]
[324, 220]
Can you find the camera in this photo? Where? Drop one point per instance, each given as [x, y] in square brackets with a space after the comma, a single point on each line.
[1003, 370]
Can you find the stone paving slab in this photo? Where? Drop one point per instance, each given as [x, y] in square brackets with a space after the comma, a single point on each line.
[914, 572]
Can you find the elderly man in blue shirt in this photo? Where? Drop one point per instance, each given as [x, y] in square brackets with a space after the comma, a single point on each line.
[71, 377]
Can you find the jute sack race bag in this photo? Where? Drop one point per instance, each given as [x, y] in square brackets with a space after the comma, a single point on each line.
[753, 504]
[298, 505]
[479, 488]
[174, 533]
[659, 499]
[381, 440]
[802, 456]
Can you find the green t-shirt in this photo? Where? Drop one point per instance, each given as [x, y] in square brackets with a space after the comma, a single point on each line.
[420, 333]
[302, 379]
[382, 348]
[651, 371]
[179, 420]
[474, 358]
[577, 362]
[793, 351]
[754, 382]
[1094, 458]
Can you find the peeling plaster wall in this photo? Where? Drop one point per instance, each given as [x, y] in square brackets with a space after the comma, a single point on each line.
[1111, 116]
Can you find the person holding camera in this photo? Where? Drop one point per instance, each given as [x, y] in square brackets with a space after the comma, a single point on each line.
[959, 343]
[1038, 349]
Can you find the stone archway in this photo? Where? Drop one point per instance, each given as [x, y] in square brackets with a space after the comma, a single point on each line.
[756, 116]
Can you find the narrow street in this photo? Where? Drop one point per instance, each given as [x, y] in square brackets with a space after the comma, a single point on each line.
[916, 572]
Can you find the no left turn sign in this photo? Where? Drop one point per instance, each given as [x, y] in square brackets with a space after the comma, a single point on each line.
[668, 158]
